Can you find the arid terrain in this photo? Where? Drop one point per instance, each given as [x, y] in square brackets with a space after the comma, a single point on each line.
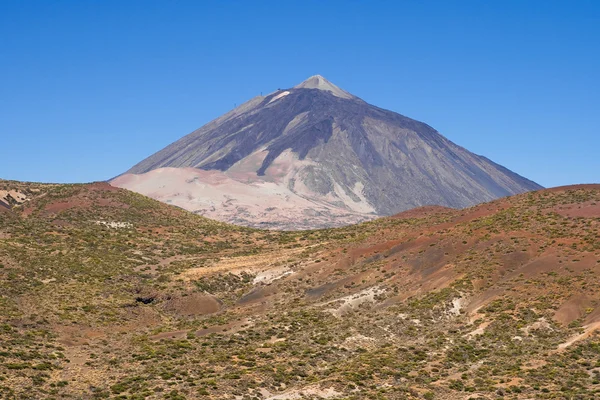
[107, 294]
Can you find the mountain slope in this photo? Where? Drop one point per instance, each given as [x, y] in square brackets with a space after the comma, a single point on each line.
[319, 143]
[107, 294]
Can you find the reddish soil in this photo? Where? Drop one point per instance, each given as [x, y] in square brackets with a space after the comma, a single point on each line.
[421, 212]
[426, 260]
[103, 187]
[480, 211]
[593, 317]
[587, 186]
[54, 208]
[193, 304]
[169, 335]
[484, 299]
[573, 309]
[588, 209]
[93, 194]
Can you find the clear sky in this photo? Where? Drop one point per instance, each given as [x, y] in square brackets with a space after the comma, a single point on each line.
[89, 88]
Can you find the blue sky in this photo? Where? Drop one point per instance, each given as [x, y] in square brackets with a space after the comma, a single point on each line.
[89, 88]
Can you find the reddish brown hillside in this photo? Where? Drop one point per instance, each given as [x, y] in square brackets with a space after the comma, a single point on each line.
[106, 293]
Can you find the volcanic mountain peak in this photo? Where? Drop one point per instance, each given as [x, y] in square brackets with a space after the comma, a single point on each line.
[315, 156]
[319, 82]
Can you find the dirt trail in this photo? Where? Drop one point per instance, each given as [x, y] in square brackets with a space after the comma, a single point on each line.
[250, 264]
[588, 331]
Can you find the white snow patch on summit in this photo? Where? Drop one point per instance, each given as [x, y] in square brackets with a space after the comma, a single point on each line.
[279, 96]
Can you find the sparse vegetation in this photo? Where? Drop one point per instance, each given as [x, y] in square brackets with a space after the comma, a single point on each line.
[164, 304]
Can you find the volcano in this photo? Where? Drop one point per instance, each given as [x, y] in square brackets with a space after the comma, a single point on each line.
[315, 156]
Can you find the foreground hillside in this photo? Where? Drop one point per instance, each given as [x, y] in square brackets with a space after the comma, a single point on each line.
[105, 293]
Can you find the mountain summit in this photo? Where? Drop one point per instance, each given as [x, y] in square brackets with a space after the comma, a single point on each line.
[318, 82]
[315, 156]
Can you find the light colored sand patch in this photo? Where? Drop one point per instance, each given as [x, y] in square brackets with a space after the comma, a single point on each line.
[115, 224]
[541, 324]
[279, 96]
[308, 392]
[288, 167]
[242, 198]
[245, 169]
[17, 196]
[358, 190]
[362, 206]
[356, 341]
[254, 264]
[457, 306]
[351, 302]
[299, 172]
[271, 275]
